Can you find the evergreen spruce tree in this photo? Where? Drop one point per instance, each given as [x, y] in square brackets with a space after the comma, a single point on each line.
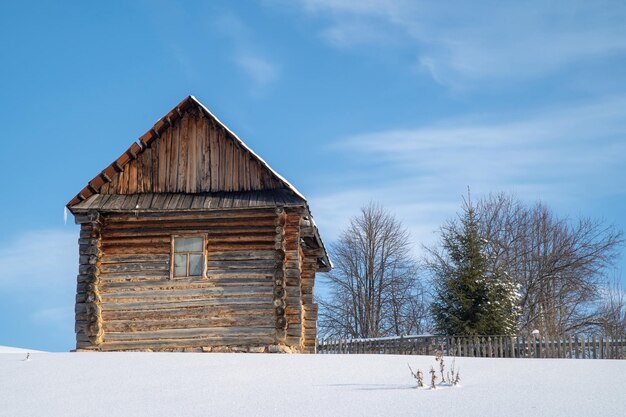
[469, 298]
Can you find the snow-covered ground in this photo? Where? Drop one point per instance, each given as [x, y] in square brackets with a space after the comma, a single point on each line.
[224, 384]
[9, 349]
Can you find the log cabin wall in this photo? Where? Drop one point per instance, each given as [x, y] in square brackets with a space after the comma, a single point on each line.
[248, 301]
[309, 266]
[190, 175]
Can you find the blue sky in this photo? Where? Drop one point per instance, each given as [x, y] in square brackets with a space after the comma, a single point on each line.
[402, 102]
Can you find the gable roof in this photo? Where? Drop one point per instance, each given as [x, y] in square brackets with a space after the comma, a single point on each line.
[96, 194]
[147, 139]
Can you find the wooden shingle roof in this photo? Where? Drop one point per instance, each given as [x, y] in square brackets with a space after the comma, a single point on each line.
[147, 202]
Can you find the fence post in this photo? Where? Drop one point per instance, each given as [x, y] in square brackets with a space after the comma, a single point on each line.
[513, 343]
[538, 346]
[595, 353]
[571, 351]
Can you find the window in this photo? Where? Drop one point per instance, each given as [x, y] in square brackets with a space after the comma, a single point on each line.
[188, 257]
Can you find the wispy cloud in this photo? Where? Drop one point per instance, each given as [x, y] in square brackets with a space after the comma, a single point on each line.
[41, 260]
[460, 43]
[247, 54]
[553, 146]
[54, 315]
[38, 284]
[555, 155]
[261, 71]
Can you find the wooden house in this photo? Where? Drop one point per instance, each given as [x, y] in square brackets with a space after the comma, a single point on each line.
[189, 241]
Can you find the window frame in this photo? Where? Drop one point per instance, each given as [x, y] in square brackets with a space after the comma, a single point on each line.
[173, 253]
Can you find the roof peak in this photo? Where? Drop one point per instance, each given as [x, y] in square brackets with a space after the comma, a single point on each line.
[145, 141]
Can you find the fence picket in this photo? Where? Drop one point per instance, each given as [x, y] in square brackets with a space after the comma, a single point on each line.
[579, 347]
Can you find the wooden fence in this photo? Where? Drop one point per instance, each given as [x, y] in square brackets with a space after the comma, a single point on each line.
[578, 347]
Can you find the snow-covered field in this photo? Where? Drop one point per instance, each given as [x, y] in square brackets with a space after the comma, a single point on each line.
[224, 384]
[9, 349]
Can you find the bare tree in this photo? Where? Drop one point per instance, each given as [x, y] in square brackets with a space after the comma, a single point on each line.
[612, 317]
[373, 288]
[559, 264]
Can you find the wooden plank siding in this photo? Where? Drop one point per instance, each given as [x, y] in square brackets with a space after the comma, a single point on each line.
[142, 307]
[194, 155]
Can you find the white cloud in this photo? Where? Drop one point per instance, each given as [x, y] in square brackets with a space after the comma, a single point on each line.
[554, 146]
[261, 71]
[40, 260]
[54, 315]
[460, 43]
[247, 54]
[556, 155]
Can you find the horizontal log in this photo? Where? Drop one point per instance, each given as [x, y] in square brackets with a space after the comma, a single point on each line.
[292, 282]
[243, 255]
[294, 331]
[293, 292]
[87, 269]
[162, 265]
[233, 311]
[294, 341]
[293, 310]
[88, 249]
[241, 264]
[293, 301]
[85, 278]
[86, 234]
[240, 273]
[292, 264]
[184, 294]
[182, 343]
[134, 258]
[138, 240]
[238, 246]
[310, 315]
[190, 224]
[87, 259]
[151, 305]
[248, 237]
[292, 273]
[250, 310]
[162, 249]
[213, 214]
[183, 283]
[135, 274]
[200, 332]
[86, 218]
[187, 323]
[167, 229]
[80, 326]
